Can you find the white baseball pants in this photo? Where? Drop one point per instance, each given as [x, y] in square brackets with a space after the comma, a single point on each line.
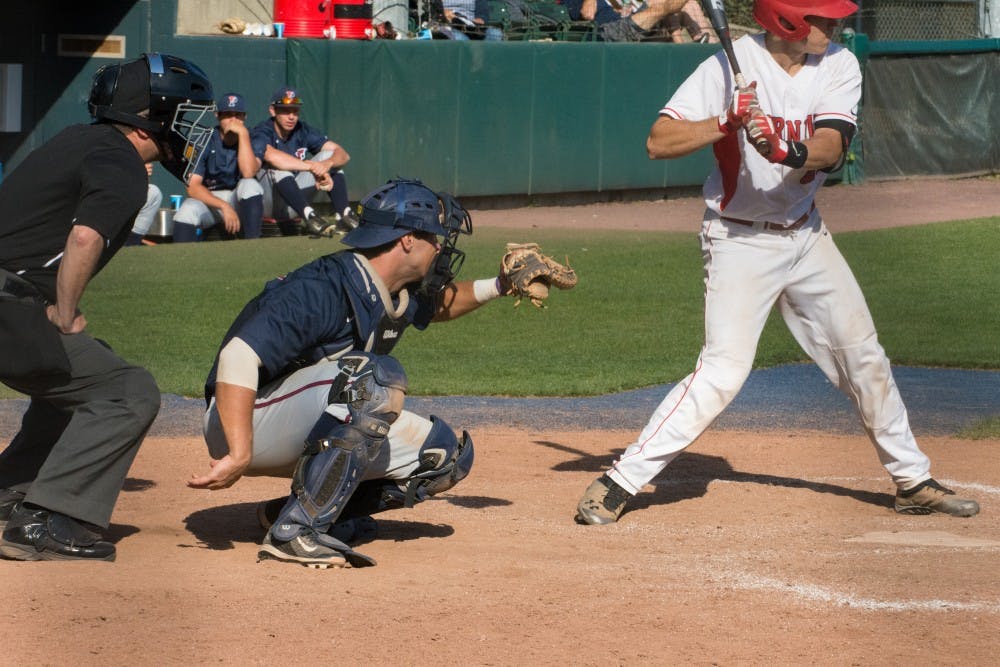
[747, 270]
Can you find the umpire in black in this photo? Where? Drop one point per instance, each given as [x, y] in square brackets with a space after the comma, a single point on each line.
[64, 213]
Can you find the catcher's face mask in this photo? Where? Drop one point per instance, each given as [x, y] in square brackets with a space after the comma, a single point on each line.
[448, 263]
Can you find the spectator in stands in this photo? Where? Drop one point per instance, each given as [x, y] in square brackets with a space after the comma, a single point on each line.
[622, 21]
[223, 188]
[467, 19]
[694, 21]
[144, 219]
[298, 160]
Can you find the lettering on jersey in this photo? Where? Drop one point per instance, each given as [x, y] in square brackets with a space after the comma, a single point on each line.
[300, 153]
[793, 130]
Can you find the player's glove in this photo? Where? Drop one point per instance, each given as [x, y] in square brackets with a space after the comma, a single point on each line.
[526, 273]
[744, 103]
[764, 138]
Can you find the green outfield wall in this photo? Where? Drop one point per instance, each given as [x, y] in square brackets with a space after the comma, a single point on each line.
[509, 118]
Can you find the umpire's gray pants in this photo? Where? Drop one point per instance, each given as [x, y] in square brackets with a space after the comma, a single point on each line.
[79, 437]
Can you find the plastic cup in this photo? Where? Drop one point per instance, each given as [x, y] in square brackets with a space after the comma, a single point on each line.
[175, 201]
[279, 30]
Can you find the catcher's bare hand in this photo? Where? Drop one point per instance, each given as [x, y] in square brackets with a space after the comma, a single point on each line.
[527, 273]
[224, 473]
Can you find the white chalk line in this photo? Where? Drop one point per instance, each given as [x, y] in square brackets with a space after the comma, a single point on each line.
[813, 593]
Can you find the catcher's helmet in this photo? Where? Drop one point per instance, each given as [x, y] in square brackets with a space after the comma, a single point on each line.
[169, 97]
[787, 18]
[397, 208]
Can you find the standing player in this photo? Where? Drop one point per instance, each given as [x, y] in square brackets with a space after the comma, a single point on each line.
[64, 213]
[300, 159]
[764, 242]
[304, 386]
[222, 189]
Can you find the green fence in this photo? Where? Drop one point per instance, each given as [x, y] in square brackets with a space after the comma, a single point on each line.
[483, 118]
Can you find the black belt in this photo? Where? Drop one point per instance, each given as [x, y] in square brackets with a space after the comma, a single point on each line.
[774, 226]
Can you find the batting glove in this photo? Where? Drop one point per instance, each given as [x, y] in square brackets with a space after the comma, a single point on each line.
[739, 112]
[764, 138]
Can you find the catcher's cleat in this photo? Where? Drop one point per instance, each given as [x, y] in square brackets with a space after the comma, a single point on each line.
[302, 549]
[35, 533]
[355, 530]
[8, 503]
[602, 502]
[317, 226]
[929, 496]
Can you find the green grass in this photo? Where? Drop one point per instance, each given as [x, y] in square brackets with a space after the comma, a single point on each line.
[634, 320]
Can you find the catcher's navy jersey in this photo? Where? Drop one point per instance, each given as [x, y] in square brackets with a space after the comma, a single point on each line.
[303, 140]
[326, 308]
[218, 166]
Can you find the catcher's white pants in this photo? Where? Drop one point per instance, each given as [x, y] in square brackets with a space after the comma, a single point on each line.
[747, 270]
[284, 414]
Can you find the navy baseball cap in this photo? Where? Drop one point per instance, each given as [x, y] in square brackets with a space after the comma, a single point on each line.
[393, 210]
[286, 96]
[231, 102]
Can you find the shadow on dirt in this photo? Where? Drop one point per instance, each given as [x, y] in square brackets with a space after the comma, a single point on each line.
[222, 528]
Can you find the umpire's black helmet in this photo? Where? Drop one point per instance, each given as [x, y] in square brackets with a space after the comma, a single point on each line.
[167, 96]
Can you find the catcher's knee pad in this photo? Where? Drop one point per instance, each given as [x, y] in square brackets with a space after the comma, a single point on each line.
[338, 453]
[444, 462]
[373, 387]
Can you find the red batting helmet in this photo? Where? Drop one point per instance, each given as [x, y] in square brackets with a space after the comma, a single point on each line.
[787, 18]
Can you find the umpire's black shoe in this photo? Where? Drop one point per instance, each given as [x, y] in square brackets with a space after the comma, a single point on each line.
[35, 533]
[8, 502]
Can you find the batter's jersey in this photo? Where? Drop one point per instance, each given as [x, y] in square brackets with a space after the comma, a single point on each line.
[219, 165]
[325, 309]
[302, 141]
[743, 184]
[88, 175]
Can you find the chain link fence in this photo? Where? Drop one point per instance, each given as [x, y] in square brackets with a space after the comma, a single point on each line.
[894, 19]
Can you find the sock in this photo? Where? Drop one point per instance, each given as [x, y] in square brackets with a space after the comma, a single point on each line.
[251, 212]
[185, 233]
[289, 191]
[338, 196]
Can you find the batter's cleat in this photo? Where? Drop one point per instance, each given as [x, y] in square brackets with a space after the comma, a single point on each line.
[929, 496]
[303, 549]
[317, 226]
[35, 533]
[355, 530]
[602, 502]
[8, 502]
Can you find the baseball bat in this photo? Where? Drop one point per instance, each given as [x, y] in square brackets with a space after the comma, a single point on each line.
[716, 12]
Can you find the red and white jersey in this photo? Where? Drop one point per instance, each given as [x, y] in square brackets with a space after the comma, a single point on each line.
[743, 184]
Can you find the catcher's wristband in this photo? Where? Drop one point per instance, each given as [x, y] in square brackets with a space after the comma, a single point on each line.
[486, 289]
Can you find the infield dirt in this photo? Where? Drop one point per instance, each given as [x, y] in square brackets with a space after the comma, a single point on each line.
[752, 548]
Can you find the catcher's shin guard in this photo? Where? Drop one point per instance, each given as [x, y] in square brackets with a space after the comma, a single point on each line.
[337, 453]
[444, 462]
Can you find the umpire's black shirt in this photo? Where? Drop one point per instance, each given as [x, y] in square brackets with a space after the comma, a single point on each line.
[87, 175]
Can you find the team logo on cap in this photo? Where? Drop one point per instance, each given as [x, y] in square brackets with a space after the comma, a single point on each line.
[231, 101]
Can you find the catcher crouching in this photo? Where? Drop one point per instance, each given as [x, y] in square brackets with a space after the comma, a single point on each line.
[304, 386]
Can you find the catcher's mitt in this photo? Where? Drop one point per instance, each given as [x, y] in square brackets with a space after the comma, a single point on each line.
[530, 273]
